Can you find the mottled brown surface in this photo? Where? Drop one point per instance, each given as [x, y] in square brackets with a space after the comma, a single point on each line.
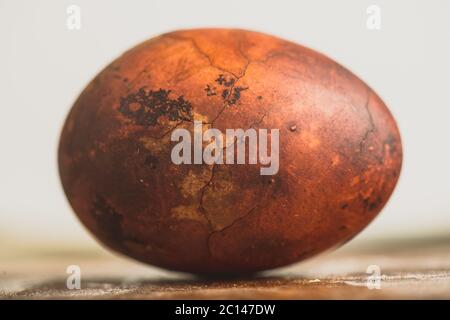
[340, 153]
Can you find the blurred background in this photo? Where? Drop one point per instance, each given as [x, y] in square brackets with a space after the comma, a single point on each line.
[44, 65]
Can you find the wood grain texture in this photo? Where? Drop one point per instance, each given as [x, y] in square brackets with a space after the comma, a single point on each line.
[412, 270]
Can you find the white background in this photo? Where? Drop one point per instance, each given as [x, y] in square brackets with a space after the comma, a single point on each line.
[44, 66]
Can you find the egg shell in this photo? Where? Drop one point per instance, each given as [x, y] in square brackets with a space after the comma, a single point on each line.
[339, 159]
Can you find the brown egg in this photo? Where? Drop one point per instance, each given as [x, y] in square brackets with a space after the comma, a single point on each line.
[339, 154]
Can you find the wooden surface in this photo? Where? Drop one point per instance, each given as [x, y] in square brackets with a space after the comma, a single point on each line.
[409, 268]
